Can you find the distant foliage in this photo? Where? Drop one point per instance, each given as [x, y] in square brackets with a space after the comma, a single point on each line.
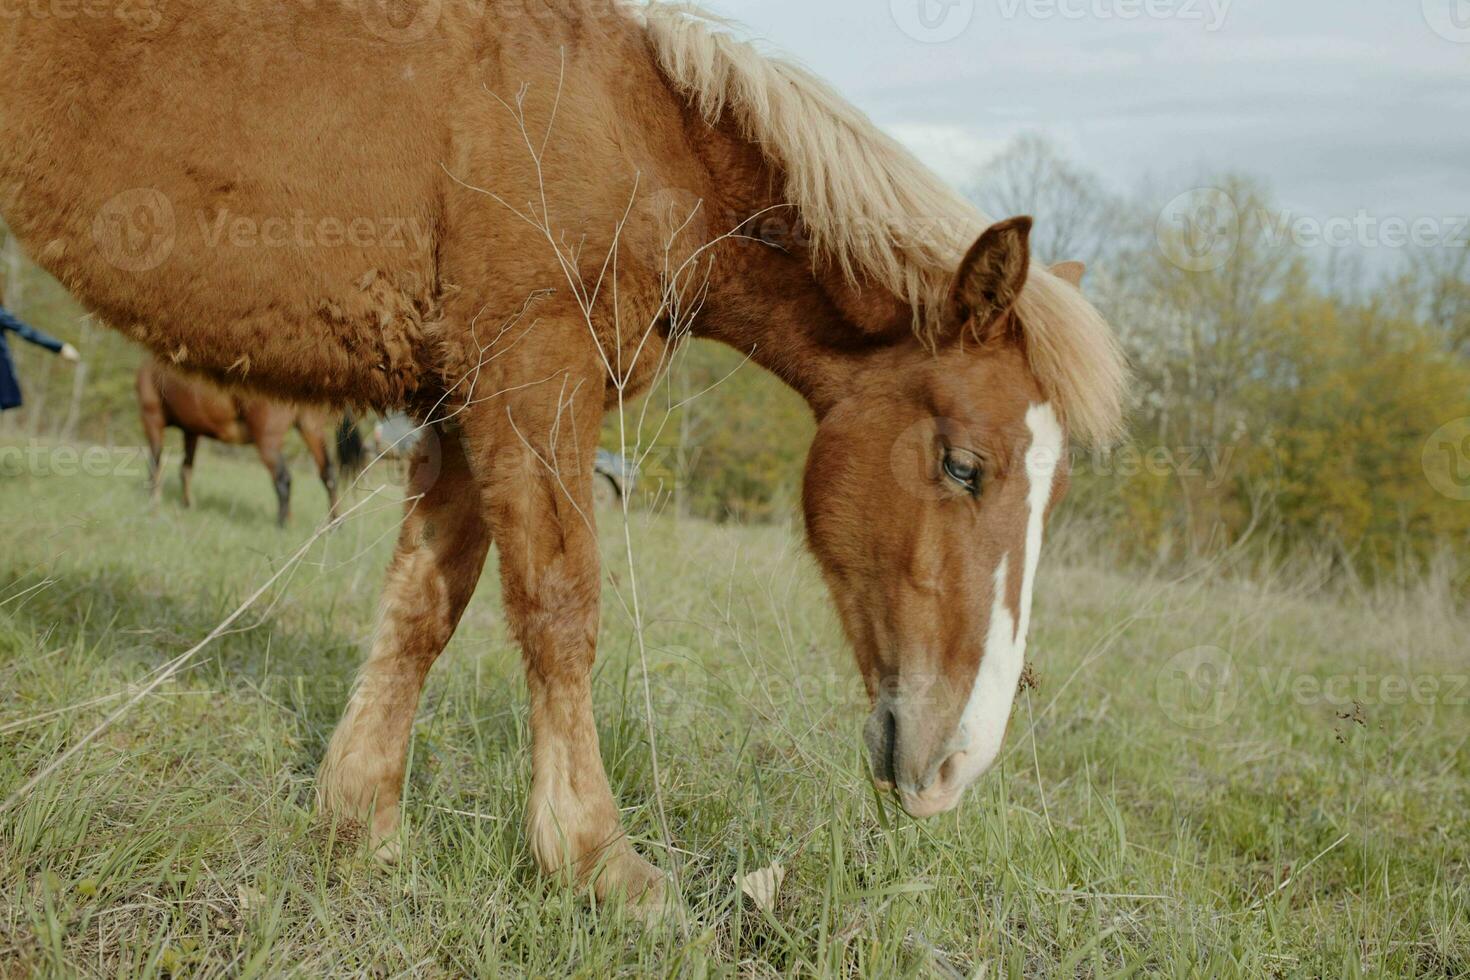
[1319, 445]
[1345, 408]
[720, 438]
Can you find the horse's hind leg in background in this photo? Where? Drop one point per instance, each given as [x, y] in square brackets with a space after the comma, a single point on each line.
[441, 551]
[155, 420]
[313, 431]
[186, 472]
[270, 444]
[534, 448]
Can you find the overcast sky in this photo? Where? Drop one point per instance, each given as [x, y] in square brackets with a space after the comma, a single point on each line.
[1342, 105]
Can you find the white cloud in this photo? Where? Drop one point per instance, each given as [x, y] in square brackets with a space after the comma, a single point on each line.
[953, 151]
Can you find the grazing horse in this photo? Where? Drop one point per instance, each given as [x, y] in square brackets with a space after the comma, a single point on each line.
[170, 399]
[502, 218]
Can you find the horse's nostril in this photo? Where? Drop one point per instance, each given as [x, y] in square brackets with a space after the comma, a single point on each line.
[881, 735]
[945, 776]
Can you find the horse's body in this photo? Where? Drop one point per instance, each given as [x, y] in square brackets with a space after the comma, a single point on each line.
[500, 216]
[167, 399]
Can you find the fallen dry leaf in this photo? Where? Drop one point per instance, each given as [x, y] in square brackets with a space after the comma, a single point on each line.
[249, 898]
[762, 885]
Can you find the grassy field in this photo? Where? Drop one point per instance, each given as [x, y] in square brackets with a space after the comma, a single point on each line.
[1208, 778]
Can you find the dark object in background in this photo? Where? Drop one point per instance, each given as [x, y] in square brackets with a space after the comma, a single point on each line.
[351, 450]
[395, 436]
[617, 472]
[10, 396]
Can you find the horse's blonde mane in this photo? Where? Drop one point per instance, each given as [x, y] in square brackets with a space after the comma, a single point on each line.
[874, 209]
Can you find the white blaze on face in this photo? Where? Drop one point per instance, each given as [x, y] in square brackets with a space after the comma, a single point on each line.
[983, 724]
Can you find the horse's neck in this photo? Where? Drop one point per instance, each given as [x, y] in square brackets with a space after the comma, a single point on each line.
[813, 329]
[771, 307]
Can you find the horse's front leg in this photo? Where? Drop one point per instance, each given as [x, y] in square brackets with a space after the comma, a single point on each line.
[441, 551]
[541, 444]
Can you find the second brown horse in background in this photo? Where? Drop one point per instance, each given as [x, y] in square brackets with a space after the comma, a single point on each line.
[169, 398]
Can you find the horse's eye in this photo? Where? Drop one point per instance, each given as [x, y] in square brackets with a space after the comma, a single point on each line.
[963, 469]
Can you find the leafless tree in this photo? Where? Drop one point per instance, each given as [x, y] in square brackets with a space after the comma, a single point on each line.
[1075, 215]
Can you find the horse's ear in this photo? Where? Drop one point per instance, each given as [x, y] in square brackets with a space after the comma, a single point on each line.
[1070, 271]
[991, 277]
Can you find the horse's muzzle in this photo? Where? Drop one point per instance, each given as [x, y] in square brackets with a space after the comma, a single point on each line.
[903, 755]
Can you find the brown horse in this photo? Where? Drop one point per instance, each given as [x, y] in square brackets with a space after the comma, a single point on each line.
[503, 216]
[198, 408]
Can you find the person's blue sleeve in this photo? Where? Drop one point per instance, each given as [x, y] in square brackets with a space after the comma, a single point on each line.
[27, 332]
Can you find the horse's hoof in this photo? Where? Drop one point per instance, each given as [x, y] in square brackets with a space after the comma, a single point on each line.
[626, 878]
[387, 852]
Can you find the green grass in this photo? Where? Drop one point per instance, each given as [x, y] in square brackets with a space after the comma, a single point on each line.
[1121, 834]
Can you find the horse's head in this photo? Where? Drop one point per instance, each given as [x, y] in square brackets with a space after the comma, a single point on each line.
[925, 496]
